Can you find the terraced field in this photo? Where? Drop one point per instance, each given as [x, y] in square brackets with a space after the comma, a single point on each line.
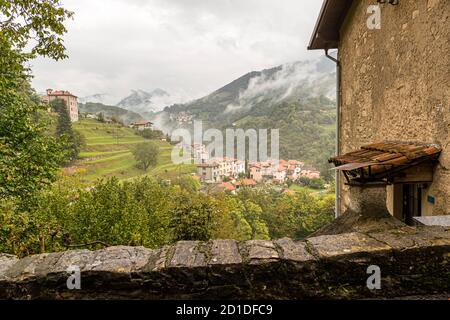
[108, 153]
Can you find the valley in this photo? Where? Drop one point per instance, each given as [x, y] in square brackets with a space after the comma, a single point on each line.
[107, 153]
[296, 98]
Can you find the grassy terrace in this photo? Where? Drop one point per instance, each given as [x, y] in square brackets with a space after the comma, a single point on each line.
[108, 153]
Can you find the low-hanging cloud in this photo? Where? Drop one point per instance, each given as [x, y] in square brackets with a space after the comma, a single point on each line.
[186, 47]
[313, 77]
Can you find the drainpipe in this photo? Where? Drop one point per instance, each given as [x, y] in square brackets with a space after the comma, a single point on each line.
[338, 135]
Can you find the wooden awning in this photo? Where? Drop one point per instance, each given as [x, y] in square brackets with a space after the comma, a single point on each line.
[382, 161]
[326, 32]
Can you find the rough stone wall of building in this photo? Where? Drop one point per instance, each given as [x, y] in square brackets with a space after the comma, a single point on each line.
[71, 103]
[396, 81]
[73, 108]
[411, 261]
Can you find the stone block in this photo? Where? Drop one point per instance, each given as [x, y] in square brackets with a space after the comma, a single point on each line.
[39, 265]
[6, 262]
[119, 259]
[188, 254]
[259, 251]
[294, 250]
[347, 244]
[224, 252]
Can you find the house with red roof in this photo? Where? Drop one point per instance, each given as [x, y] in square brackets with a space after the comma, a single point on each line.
[70, 100]
[250, 183]
[227, 186]
[141, 125]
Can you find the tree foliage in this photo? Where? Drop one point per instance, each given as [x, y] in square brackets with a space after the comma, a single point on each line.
[151, 134]
[29, 157]
[314, 183]
[150, 213]
[71, 140]
[193, 217]
[36, 23]
[146, 154]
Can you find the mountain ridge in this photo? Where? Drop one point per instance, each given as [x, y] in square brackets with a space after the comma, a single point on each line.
[126, 116]
[297, 81]
[144, 102]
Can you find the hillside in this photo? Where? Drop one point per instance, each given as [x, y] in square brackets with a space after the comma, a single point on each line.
[108, 153]
[297, 98]
[260, 90]
[124, 115]
[307, 130]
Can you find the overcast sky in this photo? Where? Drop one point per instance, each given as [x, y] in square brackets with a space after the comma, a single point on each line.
[186, 47]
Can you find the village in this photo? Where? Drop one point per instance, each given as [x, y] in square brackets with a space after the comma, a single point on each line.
[230, 174]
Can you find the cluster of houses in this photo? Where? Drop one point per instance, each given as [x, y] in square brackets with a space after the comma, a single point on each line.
[269, 171]
[235, 185]
[181, 118]
[232, 173]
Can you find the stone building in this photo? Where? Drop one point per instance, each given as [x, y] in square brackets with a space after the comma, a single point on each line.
[393, 88]
[69, 99]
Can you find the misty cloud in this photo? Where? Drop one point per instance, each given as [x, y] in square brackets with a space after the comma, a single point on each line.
[187, 47]
[311, 78]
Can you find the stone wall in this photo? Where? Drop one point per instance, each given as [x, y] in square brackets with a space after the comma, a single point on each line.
[412, 262]
[396, 81]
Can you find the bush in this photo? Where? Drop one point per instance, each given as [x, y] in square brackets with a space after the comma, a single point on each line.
[315, 183]
[151, 134]
[148, 213]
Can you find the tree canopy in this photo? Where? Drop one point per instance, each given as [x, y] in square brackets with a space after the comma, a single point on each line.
[138, 213]
[146, 154]
[71, 140]
[29, 156]
[37, 23]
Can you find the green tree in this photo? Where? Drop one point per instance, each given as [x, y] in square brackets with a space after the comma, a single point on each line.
[36, 23]
[71, 140]
[29, 157]
[187, 183]
[242, 175]
[146, 154]
[101, 117]
[252, 213]
[115, 119]
[315, 183]
[151, 134]
[193, 217]
[138, 213]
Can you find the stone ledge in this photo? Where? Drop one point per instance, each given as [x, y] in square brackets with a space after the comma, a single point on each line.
[345, 245]
[412, 261]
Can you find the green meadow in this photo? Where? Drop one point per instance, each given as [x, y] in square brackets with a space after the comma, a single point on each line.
[108, 152]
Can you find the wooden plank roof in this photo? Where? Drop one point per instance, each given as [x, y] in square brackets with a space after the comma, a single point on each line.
[385, 157]
[326, 32]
